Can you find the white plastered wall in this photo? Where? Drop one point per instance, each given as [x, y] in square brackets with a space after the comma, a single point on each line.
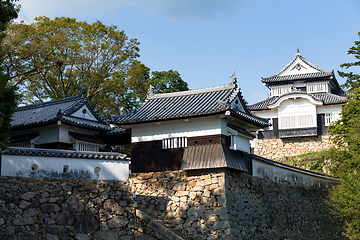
[297, 107]
[14, 165]
[192, 127]
[291, 177]
[329, 109]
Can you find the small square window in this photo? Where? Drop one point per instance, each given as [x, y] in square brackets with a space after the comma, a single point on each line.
[66, 169]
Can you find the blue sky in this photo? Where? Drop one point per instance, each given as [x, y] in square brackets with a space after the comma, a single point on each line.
[207, 40]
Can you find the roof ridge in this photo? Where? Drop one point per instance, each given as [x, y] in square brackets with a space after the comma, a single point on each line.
[191, 92]
[297, 76]
[299, 56]
[48, 103]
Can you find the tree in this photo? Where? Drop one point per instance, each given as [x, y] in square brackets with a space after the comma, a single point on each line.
[345, 198]
[52, 59]
[352, 79]
[8, 11]
[167, 81]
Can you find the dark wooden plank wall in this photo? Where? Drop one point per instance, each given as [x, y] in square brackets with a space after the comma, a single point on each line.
[150, 157]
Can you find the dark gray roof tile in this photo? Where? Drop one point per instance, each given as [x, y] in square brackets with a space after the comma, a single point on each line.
[48, 112]
[85, 138]
[188, 104]
[326, 98]
[23, 138]
[64, 153]
[240, 130]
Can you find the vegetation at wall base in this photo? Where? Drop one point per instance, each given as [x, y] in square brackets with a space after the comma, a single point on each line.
[314, 161]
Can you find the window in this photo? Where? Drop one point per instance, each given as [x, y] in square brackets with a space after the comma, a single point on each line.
[317, 87]
[87, 147]
[280, 90]
[179, 142]
[297, 121]
[330, 117]
[66, 169]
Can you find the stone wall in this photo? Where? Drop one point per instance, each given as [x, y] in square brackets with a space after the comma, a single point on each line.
[279, 148]
[229, 204]
[37, 208]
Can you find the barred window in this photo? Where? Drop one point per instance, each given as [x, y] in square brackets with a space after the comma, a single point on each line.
[179, 142]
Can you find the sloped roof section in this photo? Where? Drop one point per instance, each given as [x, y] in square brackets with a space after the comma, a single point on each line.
[23, 138]
[64, 153]
[325, 98]
[188, 104]
[213, 156]
[86, 138]
[298, 69]
[48, 112]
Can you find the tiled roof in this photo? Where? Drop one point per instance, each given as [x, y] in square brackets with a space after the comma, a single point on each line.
[276, 78]
[23, 138]
[188, 104]
[316, 74]
[63, 153]
[38, 114]
[213, 156]
[241, 130]
[116, 130]
[292, 168]
[85, 137]
[326, 98]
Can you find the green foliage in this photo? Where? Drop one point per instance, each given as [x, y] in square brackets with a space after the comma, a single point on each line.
[53, 59]
[8, 11]
[352, 79]
[345, 198]
[167, 81]
[7, 106]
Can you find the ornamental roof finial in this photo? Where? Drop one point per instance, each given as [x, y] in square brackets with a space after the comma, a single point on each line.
[233, 78]
[150, 91]
[298, 52]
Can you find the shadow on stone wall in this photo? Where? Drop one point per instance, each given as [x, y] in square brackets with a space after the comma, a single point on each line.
[229, 204]
[37, 208]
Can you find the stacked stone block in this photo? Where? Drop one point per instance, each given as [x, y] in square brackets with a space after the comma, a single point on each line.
[230, 204]
[36, 208]
[280, 148]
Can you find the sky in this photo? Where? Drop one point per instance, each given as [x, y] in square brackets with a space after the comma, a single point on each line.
[206, 41]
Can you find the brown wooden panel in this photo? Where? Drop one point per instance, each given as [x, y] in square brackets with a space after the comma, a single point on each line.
[150, 157]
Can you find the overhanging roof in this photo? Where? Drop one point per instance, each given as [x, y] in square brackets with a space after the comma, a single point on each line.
[188, 104]
[325, 98]
[52, 111]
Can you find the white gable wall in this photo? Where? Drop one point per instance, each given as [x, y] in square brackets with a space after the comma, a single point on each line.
[88, 115]
[304, 68]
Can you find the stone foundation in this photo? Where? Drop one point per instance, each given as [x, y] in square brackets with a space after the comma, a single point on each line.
[230, 204]
[279, 148]
[56, 209]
